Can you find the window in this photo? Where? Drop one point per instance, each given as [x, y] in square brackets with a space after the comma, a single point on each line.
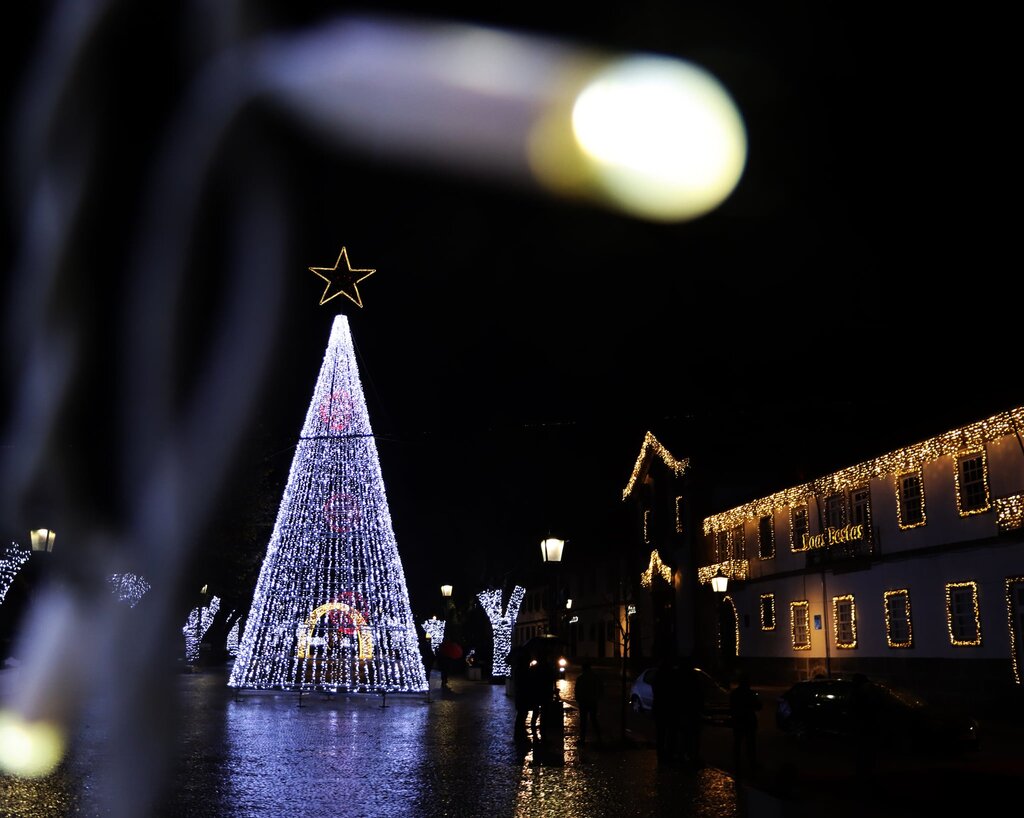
[910, 500]
[798, 625]
[835, 511]
[767, 612]
[737, 547]
[844, 614]
[765, 537]
[897, 619]
[798, 528]
[972, 484]
[721, 546]
[860, 508]
[962, 613]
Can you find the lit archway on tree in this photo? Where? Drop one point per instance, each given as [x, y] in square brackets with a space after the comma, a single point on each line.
[359, 627]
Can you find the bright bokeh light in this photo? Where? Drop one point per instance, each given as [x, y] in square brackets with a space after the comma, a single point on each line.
[664, 137]
[29, 749]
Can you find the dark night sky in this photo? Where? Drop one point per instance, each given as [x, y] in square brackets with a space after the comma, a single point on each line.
[853, 295]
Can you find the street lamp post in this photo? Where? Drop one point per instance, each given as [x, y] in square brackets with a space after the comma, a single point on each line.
[551, 550]
[42, 539]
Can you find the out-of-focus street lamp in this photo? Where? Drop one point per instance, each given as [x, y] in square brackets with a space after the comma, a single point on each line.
[42, 539]
[551, 550]
[446, 591]
[719, 582]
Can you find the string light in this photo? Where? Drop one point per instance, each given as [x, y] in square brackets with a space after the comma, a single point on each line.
[736, 625]
[652, 447]
[679, 515]
[898, 593]
[129, 587]
[1011, 585]
[837, 601]
[233, 638]
[898, 482]
[734, 569]
[331, 607]
[981, 509]
[501, 624]
[768, 612]
[434, 629]
[902, 461]
[953, 638]
[655, 568]
[11, 560]
[1009, 512]
[799, 610]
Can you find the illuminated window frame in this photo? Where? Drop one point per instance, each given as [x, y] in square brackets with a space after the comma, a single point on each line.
[794, 544]
[768, 612]
[679, 515]
[737, 543]
[987, 504]
[769, 552]
[848, 639]
[836, 514]
[951, 589]
[721, 546]
[919, 474]
[802, 610]
[896, 643]
[1015, 634]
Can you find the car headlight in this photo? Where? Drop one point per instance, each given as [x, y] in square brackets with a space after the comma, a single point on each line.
[562, 664]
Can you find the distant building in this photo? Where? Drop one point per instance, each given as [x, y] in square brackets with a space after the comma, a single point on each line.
[908, 567]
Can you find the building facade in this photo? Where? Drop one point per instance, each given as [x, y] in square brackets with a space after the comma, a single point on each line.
[907, 567]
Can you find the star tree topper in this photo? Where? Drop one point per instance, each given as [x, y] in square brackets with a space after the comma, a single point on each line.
[342, 280]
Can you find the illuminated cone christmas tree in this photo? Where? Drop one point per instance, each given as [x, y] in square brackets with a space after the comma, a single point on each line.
[331, 607]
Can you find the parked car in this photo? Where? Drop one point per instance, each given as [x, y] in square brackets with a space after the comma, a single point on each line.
[716, 695]
[891, 717]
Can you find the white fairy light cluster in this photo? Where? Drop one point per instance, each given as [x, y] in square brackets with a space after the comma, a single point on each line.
[501, 624]
[13, 557]
[434, 629]
[233, 637]
[198, 623]
[331, 607]
[128, 587]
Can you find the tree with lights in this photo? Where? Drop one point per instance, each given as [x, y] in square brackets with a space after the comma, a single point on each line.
[331, 606]
[501, 624]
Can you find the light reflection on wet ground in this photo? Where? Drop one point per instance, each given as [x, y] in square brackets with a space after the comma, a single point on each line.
[262, 755]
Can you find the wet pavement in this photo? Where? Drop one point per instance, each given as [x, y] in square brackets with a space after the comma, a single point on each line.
[451, 754]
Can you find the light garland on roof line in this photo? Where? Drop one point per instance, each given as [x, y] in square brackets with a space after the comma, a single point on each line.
[734, 569]
[1009, 512]
[897, 643]
[128, 587]
[13, 557]
[1011, 582]
[196, 626]
[434, 630]
[901, 461]
[501, 624]
[975, 607]
[655, 568]
[331, 608]
[650, 447]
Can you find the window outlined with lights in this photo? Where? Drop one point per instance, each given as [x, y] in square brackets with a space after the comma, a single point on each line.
[800, 631]
[767, 612]
[835, 510]
[737, 543]
[860, 508]
[963, 618]
[844, 619]
[766, 537]
[910, 500]
[899, 631]
[971, 476]
[798, 528]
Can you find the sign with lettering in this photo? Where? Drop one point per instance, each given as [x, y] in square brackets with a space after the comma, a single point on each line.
[849, 533]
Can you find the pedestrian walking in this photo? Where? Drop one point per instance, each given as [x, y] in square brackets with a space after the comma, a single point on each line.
[519, 662]
[743, 706]
[427, 653]
[588, 692]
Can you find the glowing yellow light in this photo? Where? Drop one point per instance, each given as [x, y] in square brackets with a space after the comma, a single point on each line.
[664, 137]
[30, 749]
[984, 477]
[767, 612]
[902, 461]
[734, 569]
[342, 280]
[736, 625]
[363, 636]
[852, 641]
[798, 613]
[648, 449]
[655, 568]
[1010, 512]
[953, 639]
[889, 638]
[1011, 585]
